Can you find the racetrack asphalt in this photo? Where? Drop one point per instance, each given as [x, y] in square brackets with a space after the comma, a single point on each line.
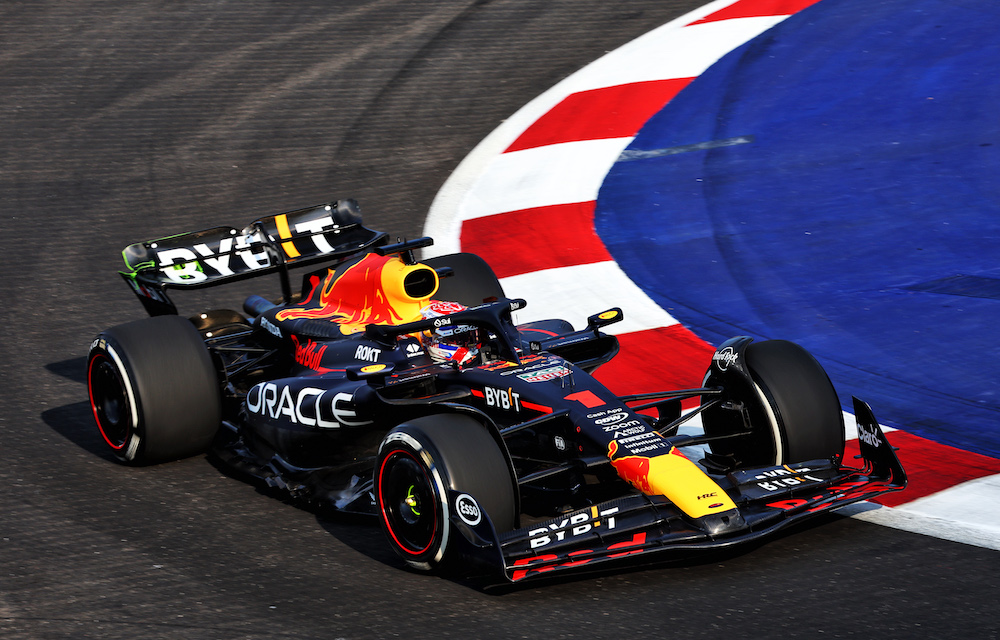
[124, 121]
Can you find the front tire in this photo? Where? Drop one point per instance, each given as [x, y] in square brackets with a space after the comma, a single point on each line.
[153, 390]
[791, 406]
[418, 463]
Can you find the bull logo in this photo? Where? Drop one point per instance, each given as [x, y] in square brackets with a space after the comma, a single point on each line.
[632, 469]
[375, 290]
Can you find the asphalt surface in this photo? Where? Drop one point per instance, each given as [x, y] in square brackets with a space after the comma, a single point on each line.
[121, 121]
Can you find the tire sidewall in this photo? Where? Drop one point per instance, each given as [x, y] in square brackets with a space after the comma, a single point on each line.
[106, 347]
[412, 442]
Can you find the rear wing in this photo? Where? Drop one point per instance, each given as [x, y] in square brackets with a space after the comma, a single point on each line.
[327, 232]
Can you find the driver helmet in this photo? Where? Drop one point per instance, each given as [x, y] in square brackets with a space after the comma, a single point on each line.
[453, 343]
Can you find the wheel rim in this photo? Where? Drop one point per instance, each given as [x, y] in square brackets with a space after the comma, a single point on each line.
[408, 503]
[757, 447]
[109, 401]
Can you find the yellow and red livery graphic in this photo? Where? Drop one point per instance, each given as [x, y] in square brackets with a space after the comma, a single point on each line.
[667, 473]
[375, 290]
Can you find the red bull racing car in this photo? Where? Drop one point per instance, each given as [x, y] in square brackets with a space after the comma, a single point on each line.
[405, 389]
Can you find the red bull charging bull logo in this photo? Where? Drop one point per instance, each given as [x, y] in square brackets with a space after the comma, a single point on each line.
[632, 469]
[375, 290]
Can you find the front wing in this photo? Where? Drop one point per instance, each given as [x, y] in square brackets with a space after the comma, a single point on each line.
[767, 499]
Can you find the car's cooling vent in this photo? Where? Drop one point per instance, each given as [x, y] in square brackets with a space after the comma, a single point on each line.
[420, 283]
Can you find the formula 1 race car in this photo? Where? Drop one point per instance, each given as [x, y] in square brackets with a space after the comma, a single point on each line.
[405, 390]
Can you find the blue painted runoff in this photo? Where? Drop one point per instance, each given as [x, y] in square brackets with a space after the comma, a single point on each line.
[836, 182]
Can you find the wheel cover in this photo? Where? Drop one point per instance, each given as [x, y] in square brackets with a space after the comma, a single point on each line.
[408, 503]
[109, 401]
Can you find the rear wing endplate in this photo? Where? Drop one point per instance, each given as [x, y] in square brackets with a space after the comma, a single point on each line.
[327, 232]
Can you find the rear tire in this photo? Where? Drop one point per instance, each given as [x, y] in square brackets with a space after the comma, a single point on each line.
[793, 410]
[153, 390]
[418, 462]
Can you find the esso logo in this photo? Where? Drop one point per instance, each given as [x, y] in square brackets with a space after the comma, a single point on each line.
[468, 510]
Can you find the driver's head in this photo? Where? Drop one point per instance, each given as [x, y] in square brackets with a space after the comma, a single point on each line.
[452, 343]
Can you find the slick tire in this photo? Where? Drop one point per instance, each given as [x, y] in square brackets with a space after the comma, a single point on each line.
[153, 390]
[417, 463]
[793, 410]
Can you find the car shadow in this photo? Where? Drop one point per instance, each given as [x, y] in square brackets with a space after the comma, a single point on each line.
[74, 369]
[357, 531]
[75, 422]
